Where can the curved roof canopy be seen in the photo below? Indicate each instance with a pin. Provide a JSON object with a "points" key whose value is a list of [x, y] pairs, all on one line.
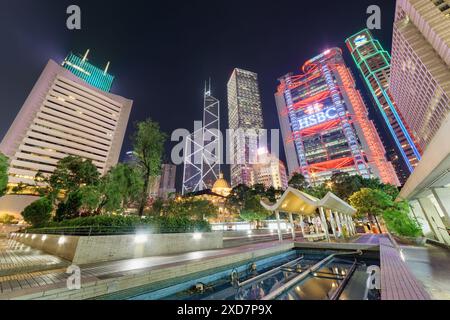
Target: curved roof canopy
{"points": [[297, 202]]}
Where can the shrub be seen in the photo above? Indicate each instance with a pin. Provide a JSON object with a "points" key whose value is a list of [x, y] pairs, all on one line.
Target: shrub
{"points": [[400, 222], [38, 213]]}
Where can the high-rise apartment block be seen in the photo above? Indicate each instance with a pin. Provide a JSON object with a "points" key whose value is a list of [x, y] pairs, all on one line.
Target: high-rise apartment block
{"points": [[245, 118], [269, 171], [420, 71]]}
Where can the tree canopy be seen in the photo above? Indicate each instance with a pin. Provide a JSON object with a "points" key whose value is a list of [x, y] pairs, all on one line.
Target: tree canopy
{"points": [[148, 146], [3, 173]]}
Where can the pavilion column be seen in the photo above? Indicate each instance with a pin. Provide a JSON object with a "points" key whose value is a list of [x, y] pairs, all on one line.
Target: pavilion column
{"points": [[302, 226], [291, 220], [350, 227], [353, 225], [324, 223], [338, 222], [344, 223], [280, 236], [333, 225]]}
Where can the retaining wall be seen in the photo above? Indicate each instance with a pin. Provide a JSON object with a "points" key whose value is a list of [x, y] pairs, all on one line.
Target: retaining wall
{"points": [[84, 249]]}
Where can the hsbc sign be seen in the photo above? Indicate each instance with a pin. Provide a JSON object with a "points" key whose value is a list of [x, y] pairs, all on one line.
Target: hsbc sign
{"points": [[316, 118]]}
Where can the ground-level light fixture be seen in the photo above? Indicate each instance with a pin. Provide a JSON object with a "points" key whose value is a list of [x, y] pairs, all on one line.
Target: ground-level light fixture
{"points": [[61, 240], [33, 237], [44, 237], [140, 238], [198, 236]]}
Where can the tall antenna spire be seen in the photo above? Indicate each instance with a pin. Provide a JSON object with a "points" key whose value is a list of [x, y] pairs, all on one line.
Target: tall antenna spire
{"points": [[86, 55], [106, 69]]}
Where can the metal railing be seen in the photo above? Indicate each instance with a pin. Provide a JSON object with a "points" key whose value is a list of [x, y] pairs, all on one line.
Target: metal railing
{"points": [[108, 230], [279, 291]]}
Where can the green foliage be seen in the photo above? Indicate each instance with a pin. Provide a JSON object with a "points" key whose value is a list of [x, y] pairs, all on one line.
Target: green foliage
{"points": [[161, 224], [399, 221], [298, 182], [3, 173], [70, 174], [8, 219], [39, 212], [186, 208], [148, 147], [253, 210], [70, 208], [318, 191], [371, 201]]}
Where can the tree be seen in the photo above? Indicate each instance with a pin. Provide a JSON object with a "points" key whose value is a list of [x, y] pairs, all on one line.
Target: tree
{"points": [[3, 173], [39, 212], [372, 202], [69, 209], [253, 210], [119, 188], [192, 208], [344, 185], [148, 145], [298, 182], [70, 174], [318, 191]]}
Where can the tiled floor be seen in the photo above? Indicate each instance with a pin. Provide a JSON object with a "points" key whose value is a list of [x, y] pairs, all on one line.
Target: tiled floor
{"points": [[18, 258]]}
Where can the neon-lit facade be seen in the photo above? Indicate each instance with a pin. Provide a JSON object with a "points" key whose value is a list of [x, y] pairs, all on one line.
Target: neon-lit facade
{"points": [[93, 75], [374, 65], [325, 125]]}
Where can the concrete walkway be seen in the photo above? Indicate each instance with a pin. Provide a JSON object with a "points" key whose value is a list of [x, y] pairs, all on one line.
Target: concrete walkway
{"points": [[23, 283], [431, 266]]}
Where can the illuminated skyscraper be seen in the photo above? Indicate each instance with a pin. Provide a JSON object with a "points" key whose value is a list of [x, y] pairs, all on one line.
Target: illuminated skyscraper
{"points": [[202, 156], [269, 171], [64, 116], [93, 75], [374, 65], [325, 125], [245, 117], [420, 75]]}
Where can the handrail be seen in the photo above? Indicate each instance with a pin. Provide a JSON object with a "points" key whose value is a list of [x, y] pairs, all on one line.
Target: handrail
{"points": [[263, 275], [306, 273]]}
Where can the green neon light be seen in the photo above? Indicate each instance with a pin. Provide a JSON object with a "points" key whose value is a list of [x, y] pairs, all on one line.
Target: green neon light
{"points": [[93, 75]]}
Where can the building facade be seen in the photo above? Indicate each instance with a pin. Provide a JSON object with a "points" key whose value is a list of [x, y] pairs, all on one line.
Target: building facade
{"points": [[325, 124], [245, 119], [420, 71], [93, 75], [64, 116], [269, 171], [373, 63]]}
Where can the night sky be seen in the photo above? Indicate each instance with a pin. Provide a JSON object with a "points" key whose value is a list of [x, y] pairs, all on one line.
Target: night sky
{"points": [[161, 52]]}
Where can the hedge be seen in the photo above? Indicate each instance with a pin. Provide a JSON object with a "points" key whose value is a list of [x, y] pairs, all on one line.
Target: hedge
{"points": [[103, 223]]}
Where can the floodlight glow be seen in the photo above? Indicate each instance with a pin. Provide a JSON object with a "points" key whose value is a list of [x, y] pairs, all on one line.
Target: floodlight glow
{"points": [[61, 240], [198, 236], [44, 237], [33, 237], [140, 238]]}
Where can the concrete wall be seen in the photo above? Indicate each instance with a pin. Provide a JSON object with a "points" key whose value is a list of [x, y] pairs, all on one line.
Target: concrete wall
{"points": [[83, 250]]}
